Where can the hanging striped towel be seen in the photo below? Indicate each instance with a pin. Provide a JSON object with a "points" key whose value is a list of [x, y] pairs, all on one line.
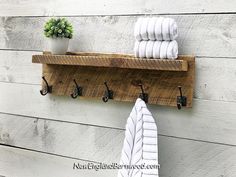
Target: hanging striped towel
{"points": [[140, 144]]}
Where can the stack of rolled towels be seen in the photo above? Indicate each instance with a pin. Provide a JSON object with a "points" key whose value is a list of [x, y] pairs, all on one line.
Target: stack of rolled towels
{"points": [[155, 38]]}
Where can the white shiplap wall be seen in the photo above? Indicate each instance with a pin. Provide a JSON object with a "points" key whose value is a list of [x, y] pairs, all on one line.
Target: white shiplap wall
{"points": [[44, 136]]}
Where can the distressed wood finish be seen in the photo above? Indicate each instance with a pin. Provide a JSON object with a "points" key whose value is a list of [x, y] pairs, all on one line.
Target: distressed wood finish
{"points": [[178, 157], [112, 7], [15, 162], [123, 76], [16, 66], [203, 35], [211, 37], [212, 121], [67, 139], [115, 61], [79, 141]]}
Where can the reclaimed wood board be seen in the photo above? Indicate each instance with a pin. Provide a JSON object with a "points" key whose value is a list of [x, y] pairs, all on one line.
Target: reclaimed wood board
{"points": [[16, 162], [197, 122], [123, 77], [16, 66], [112, 7], [178, 157], [113, 61], [211, 37], [203, 35]]}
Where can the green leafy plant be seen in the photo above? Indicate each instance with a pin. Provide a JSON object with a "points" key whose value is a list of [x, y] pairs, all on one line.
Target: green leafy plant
{"points": [[58, 28]]}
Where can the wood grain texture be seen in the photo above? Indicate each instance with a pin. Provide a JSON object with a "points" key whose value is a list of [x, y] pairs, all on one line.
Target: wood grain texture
{"points": [[90, 71], [208, 120], [73, 140], [215, 79], [200, 35], [206, 36], [16, 162], [161, 86], [177, 158], [112, 7], [16, 67], [115, 61], [194, 159]]}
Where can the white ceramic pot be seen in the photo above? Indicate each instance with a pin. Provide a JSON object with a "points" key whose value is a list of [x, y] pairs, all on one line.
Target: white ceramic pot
{"points": [[59, 46]]}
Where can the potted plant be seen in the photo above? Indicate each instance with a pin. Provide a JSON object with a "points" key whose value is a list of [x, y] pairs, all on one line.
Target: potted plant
{"points": [[59, 31]]}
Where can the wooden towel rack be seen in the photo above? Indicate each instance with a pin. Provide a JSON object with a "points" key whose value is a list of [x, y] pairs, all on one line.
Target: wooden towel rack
{"points": [[123, 73]]}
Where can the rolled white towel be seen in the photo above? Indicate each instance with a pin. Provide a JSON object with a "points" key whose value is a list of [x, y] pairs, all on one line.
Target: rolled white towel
{"points": [[137, 29], [136, 48], [163, 49], [173, 29], [149, 49], [151, 28], [165, 29], [155, 29], [169, 29], [143, 29], [169, 50], [172, 50], [156, 49], [142, 49], [158, 29]]}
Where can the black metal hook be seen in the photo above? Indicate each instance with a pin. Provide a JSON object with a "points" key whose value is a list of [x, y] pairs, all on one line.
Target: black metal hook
{"points": [[77, 91], [143, 95], [108, 94], [181, 100], [46, 89]]}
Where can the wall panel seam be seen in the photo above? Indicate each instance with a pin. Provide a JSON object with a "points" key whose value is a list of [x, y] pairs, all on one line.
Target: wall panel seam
{"points": [[124, 15], [48, 153], [114, 128]]}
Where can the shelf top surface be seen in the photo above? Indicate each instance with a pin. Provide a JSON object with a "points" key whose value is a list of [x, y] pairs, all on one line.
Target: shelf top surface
{"points": [[114, 60]]}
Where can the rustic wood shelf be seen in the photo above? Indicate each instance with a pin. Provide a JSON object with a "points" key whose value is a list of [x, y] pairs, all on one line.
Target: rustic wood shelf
{"points": [[113, 60], [123, 73]]}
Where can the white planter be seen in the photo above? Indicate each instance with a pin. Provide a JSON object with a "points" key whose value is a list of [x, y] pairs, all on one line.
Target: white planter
{"points": [[59, 46]]}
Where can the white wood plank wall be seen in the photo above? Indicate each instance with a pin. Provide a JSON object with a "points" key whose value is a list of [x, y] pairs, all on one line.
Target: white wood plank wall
{"points": [[45, 136]]}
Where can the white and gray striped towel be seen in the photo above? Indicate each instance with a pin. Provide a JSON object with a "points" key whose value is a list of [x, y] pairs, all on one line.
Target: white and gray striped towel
{"points": [[140, 143]]}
